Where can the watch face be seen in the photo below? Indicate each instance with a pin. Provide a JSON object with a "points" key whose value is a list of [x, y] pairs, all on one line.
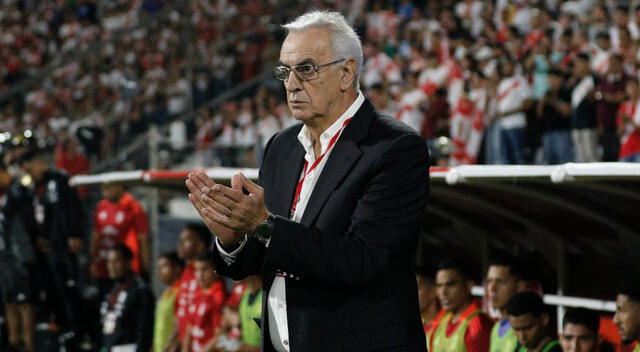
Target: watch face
{"points": [[264, 230]]}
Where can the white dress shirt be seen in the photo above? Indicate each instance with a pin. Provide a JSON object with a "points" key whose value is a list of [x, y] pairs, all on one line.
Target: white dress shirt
{"points": [[277, 299]]}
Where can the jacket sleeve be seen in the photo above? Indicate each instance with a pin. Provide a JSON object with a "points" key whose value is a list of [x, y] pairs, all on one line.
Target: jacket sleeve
{"points": [[384, 224], [249, 260]]}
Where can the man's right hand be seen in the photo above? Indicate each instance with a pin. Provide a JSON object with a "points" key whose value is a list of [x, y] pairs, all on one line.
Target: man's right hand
{"points": [[199, 183]]}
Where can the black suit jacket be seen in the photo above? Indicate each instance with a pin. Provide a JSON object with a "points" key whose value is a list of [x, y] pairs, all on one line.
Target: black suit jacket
{"points": [[354, 248]]}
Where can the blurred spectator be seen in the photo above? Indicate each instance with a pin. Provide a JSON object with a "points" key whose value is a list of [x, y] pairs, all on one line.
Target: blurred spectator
{"points": [[250, 312], [16, 276], [205, 311], [127, 310], [583, 118], [427, 297], [554, 109], [461, 324], [627, 317], [443, 43], [194, 240], [118, 219], [580, 328], [466, 122], [169, 269], [609, 94], [514, 100], [629, 124], [70, 157], [47, 211], [504, 279], [229, 335], [530, 322]]}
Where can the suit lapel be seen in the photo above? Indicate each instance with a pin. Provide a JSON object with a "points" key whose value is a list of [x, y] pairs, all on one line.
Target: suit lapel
{"points": [[287, 175], [344, 155]]}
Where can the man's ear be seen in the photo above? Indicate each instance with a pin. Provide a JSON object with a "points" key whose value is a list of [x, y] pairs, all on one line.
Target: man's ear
{"points": [[545, 319], [521, 285], [349, 69]]}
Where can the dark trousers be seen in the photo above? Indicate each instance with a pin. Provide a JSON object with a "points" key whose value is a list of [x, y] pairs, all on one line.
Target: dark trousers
{"points": [[610, 143]]}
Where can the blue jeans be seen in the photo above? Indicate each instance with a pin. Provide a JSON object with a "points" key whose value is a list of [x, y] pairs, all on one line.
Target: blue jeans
{"points": [[513, 146], [634, 158], [492, 147], [557, 146]]}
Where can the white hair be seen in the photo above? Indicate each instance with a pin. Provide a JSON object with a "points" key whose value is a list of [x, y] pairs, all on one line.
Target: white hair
{"points": [[344, 40]]}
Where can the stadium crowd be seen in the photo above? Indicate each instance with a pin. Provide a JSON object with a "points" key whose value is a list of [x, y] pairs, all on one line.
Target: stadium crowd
{"points": [[482, 81], [504, 82], [118, 66], [493, 82]]}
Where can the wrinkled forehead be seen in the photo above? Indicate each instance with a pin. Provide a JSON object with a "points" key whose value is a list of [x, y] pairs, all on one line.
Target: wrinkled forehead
{"points": [[309, 46]]}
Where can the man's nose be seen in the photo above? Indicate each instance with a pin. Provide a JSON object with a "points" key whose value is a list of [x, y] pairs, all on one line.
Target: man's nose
{"points": [[292, 83]]}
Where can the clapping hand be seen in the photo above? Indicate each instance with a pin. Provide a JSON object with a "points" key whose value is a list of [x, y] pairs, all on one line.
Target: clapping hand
{"points": [[228, 211]]}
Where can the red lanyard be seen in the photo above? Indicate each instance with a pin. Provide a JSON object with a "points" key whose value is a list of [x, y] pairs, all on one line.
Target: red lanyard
{"points": [[306, 172]]}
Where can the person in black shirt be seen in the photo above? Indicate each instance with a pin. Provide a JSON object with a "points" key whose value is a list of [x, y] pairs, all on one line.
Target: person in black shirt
{"points": [[127, 310], [16, 261], [554, 109], [43, 217], [583, 113]]}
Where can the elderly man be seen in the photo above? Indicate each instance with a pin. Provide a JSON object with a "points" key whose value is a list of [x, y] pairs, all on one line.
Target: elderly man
{"points": [[334, 224]]}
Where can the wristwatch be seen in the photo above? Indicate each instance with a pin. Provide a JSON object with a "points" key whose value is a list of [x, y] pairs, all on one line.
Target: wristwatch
{"points": [[263, 231]]}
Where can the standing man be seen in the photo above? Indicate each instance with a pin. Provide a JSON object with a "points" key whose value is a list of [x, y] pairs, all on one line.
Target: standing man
{"points": [[460, 325], [530, 322], [334, 224], [504, 279], [554, 110], [580, 328], [47, 210], [583, 117], [514, 100], [127, 310], [627, 316], [119, 219], [609, 94], [16, 261]]}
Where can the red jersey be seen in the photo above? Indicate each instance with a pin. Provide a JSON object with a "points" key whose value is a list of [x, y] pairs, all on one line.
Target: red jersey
{"points": [[235, 295], [204, 315], [630, 139], [116, 223], [74, 165], [184, 298]]}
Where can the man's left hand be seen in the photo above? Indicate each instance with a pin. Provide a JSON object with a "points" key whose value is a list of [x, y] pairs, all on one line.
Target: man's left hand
{"points": [[242, 212]]}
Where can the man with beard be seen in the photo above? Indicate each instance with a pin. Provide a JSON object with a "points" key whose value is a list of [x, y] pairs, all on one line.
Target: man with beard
{"points": [[627, 316], [460, 325]]}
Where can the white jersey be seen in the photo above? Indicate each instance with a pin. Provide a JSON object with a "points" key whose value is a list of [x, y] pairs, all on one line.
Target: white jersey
{"points": [[512, 93]]}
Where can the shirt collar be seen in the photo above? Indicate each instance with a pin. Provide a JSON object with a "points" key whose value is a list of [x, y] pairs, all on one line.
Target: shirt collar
{"points": [[304, 136]]}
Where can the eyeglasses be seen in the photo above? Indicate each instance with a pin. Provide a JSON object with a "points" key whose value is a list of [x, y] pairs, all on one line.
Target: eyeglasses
{"points": [[303, 72]]}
